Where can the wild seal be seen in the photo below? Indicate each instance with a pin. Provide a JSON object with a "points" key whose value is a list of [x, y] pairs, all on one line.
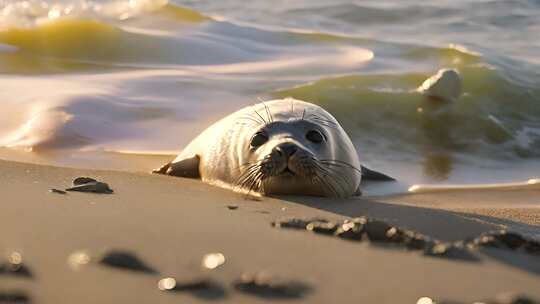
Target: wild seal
{"points": [[283, 146]]}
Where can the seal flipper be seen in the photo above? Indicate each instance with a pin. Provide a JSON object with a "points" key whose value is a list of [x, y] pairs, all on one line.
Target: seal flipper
{"points": [[368, 174], [188, 167]]}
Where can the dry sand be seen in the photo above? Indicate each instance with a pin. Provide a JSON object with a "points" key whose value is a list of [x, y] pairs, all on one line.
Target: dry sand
{"points": [[170, 223]]}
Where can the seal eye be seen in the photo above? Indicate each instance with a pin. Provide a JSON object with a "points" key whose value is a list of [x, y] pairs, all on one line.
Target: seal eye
{"points": [[315, 136], [259, 139]]}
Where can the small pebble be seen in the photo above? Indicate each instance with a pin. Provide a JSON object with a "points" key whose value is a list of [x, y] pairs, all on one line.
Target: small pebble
{"points": [[351, 231], [295, 223], [198, 287], [265, 285], [15, 266], [376, 230], [125, 260], [322, 227], [232, 207], [14, 297], [94, 187]]}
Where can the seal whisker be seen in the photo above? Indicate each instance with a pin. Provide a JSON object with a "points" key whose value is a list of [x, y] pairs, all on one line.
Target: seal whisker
{"points": [[336, 174], [334, 177], [258, 114], [252, 118], [335, 162], [268, 112], [326, 182]]}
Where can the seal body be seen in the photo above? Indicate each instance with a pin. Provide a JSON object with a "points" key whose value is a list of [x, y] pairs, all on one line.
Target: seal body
{"points": [[283, 146]]}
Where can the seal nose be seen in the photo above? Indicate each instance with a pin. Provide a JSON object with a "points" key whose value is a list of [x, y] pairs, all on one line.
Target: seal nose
{"points": [[286, 149]]}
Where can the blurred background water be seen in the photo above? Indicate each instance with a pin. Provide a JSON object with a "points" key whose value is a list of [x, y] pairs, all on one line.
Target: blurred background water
{"points": [[99, 83]]}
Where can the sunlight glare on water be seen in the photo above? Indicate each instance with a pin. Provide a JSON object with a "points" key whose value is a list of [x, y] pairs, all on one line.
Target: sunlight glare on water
{"points": [[149, 75]]}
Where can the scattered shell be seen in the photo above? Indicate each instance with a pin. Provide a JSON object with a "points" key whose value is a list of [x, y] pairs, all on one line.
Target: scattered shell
{"points": [[94, 187], [83, 180], [125, 260], [58, 191], [15, 266], [213, 260], [264, 285]]}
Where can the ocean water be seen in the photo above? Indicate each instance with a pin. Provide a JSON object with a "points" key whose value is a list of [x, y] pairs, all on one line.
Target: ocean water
{"points": [[85, 82]]}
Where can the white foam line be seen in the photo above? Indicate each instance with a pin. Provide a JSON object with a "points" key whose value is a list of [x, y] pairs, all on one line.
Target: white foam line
{"points": [[530, 184]]}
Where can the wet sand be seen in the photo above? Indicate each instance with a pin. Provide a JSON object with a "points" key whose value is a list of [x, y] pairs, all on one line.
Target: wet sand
{"points": [[169, 224]]}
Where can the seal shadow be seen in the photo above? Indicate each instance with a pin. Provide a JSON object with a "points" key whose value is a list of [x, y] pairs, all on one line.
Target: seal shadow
{"points": [[436, 223]]}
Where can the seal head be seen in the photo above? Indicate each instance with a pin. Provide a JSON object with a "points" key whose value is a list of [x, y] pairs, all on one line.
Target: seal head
{"points": [[283, 146]]}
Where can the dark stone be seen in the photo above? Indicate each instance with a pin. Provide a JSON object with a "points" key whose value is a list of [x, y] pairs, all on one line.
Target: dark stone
{"points": [[532, 247], [376, 230], [17, 270], [395, 235], [125, 260], [14, 297], [15, 266], [93, 187], [513, 299], [232, 207], [53, 190], [83, 180], [500, 239], [322, 227], [351, 230], [265, 286], [201, 288], [295, 223], [510, 239], [415, 241]]}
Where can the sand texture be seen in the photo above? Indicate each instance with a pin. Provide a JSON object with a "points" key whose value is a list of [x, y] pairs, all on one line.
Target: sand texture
{"points": [[171, 223]]}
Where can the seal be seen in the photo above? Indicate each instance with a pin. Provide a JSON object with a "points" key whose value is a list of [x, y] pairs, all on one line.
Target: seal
{"points": [[283, 146]]}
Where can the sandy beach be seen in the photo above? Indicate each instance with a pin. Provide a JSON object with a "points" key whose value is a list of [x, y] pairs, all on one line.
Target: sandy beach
{"points": [[171, 223]]}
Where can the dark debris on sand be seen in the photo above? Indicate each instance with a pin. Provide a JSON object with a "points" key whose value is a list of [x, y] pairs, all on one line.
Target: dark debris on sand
{"points": [[14, 297], [88, 184], [263, 285], [503, 239], [57, 191], [500, 299], [203, 288], [125, 260], [14, 265], [380, 233]]}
